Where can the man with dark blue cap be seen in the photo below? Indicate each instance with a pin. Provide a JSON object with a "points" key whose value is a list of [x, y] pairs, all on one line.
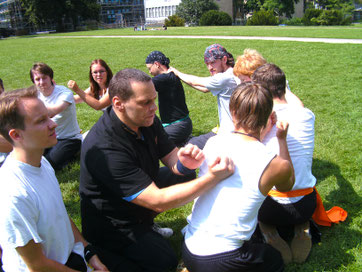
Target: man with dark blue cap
{"points": [[221, 84], [171, 98]]}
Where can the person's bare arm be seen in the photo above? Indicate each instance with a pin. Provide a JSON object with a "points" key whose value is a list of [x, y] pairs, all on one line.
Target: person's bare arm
{"points": [[280, 171], [54, 110], [88, 98], [36, 261], [190, 156], [191, 80], [177, 195]]}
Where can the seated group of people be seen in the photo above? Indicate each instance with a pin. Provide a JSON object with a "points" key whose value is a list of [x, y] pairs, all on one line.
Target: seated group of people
{"points": [[254, 171]]}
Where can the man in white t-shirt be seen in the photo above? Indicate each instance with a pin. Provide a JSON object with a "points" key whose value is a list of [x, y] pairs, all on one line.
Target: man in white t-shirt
{"points": [[60, 103], [295, 208], [5, 146], [221, 84], [36, 233]]}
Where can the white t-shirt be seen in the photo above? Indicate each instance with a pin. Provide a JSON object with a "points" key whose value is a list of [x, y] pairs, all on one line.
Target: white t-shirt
{"points": [[300, 140], [226, 216], [222, 86], [32, 208], [66, 120]]}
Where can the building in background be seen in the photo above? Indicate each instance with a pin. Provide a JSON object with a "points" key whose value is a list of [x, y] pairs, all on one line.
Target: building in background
{"points": [[156, 11], [122, 12], [4, 13]]}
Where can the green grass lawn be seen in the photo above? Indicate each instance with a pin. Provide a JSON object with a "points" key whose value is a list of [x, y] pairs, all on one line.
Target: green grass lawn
{"points": [[343, 32], [327, 77]]}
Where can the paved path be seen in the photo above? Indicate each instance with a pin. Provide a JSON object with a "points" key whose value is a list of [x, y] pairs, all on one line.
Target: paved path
{"points": [[294, 39]]}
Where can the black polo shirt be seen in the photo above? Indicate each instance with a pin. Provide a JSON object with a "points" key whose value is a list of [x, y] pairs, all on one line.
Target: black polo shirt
{"points": [[115, 164], [171, 97]]}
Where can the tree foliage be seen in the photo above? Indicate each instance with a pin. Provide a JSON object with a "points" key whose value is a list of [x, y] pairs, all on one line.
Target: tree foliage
{"points": [[278, 7], [325, 17], [263, 17], [174, 20], [192, 10], [215, 17], [41, 11]]}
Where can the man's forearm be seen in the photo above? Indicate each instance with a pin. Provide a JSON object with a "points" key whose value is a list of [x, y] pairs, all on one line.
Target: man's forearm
{"points": [[193, 81], [183, 193]]}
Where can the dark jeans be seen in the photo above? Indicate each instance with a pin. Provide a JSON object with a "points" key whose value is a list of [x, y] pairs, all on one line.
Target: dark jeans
{"points": [[62, 153], [255, 257], [201, 140], [180, 132]]}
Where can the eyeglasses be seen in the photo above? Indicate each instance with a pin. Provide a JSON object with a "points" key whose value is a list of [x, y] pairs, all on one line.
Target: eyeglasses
{"points": [[98, 72]]}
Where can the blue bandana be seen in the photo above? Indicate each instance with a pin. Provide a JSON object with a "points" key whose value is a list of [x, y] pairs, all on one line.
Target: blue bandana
{"points": [[214, 52], [157, 56]]}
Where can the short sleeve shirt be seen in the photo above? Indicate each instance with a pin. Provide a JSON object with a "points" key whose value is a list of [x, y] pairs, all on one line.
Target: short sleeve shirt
{"points": [[66, 120], [222, 86], [115, 165], [171, 97]]}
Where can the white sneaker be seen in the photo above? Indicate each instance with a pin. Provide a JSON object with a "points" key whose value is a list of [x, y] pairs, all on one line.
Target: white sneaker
{"points": [[165, 232]]}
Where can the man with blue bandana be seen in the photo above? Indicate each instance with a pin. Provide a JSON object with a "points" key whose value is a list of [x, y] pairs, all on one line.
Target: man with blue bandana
{"points": [[171, 98], [221, 84]]}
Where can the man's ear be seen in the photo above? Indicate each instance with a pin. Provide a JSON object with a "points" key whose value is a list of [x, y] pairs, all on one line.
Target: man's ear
{"points": [[15, 134], [224, 59], [117, 103], [157, 64]]}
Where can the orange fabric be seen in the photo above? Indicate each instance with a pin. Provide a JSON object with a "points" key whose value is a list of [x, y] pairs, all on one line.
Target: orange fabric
{"points": [[299, 192], [326, 218], [320, 216]]}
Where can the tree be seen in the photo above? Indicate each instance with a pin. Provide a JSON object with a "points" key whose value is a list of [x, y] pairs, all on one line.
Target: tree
{"points": [[174, 20], [215, 17], [346, 6], [192, 10], [279, 7], [42, 11]]}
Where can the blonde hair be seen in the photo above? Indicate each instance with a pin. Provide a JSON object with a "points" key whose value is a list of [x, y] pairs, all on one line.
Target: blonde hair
{"points": [[248, 62]]}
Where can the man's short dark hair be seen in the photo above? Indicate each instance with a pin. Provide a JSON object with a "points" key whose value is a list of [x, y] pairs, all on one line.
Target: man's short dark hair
{"points": [[42, 68], [272, 78], [120, 84], [250, 106], [10, 116]]}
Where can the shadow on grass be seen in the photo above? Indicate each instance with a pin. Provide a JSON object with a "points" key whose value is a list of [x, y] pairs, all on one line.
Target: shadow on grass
{"points": [[335, 252], [345, 196]]}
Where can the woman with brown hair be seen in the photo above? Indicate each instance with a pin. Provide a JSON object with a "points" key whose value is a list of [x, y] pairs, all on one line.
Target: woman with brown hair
{"points": [[96, 95]]}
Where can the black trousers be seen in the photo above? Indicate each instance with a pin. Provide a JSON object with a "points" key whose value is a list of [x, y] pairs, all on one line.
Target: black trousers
{"points": [[251, 257], [276, 214], [151, 252], [62, 153]]}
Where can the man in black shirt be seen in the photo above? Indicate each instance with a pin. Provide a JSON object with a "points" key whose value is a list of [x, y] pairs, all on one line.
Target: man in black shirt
{"points": [[122, 187], [171, 98]]}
